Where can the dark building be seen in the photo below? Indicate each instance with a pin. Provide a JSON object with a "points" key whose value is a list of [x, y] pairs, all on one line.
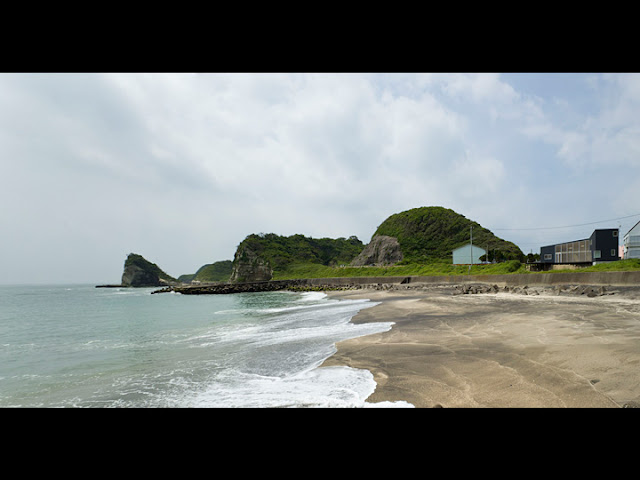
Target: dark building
{"points": [[602, 246]]}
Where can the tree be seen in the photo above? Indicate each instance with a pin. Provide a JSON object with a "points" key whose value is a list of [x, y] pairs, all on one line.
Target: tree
{"points": [[533, 257]]}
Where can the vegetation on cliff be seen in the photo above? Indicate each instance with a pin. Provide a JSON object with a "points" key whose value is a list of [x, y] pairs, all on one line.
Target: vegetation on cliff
{"points": [[215, 272], [272, 255], [211, 272], [430, 234]]}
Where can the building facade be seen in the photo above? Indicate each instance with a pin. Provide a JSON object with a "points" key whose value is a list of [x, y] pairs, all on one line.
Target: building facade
{"points": [[602, 246], [631, 242], [468, 254]]}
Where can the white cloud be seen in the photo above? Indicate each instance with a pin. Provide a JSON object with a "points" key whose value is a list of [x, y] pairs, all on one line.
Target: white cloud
{"points": [[180, 167], [605, 137], [485, 87]]}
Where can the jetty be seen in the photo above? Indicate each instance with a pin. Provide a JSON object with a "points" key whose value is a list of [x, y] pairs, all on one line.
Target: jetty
{"points": [[225, 288], [630, 278]]}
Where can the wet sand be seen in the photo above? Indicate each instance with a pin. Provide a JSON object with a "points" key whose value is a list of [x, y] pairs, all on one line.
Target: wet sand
{"points": [[499, 349]]}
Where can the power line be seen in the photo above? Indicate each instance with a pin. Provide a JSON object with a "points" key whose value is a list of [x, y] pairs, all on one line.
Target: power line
{"points": [[569, 226]]}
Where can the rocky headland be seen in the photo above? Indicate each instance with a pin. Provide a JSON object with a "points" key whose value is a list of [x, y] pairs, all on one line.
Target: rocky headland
{"points": [[250, 266]]}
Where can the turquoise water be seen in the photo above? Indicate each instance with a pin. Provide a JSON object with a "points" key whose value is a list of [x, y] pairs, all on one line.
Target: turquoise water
{"points": [[80, 346]]}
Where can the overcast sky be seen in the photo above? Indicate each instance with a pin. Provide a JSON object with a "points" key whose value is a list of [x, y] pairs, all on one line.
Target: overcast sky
{"points": [[181, 167]]}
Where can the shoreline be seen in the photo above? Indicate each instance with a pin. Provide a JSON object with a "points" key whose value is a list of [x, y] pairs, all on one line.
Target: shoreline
{"points": [[498, 350]]}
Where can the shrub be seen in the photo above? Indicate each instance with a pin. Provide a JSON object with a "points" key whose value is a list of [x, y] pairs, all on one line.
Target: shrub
{"points": [[512, 266]]}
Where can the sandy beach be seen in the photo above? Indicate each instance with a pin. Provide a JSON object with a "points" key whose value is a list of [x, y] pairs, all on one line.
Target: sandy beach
{"points": [[499, 350]]}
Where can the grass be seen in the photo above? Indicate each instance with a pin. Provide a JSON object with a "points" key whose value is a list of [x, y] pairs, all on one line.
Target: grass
{"points": [[629, 265], [436, 269], [310, 270]]}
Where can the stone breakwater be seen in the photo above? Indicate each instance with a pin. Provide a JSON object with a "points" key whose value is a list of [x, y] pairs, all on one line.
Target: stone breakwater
{"points": [[306, 285], [302, 285], [298, 285], [588, 284]]}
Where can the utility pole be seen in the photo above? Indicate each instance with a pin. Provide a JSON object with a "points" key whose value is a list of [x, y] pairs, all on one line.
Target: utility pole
{"points": [[623, 252], [471, 253]]}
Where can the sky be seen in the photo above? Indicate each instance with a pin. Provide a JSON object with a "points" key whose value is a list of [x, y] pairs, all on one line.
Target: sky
{"points": [[181, 167]]}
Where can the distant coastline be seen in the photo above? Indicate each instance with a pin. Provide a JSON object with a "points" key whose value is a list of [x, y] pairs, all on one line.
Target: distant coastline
{"points": [[420, 242]]}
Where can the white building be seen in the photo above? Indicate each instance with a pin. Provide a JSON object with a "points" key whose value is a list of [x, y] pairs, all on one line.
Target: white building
{"points": [[462, 255], [631, 242]]}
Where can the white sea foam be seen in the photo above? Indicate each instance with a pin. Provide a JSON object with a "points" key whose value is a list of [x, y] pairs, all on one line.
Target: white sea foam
{"points": [[314, 306], [234, 311], [326, 387], [273, 362], [312, 296]]}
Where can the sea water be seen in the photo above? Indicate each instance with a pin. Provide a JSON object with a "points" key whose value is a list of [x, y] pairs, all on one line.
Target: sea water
{"points": [[80, 346]]}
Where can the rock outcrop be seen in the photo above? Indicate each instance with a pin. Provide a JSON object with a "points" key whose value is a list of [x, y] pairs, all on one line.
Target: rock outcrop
{"points": [[382, 250], [248, 266], [139, 272]]}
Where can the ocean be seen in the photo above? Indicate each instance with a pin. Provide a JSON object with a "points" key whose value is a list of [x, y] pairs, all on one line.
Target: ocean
{"points": [[81, 346]]}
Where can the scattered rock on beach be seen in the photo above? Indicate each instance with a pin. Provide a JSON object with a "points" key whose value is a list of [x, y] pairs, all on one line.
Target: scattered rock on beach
{"points": [[467, 289], [588, 290]]}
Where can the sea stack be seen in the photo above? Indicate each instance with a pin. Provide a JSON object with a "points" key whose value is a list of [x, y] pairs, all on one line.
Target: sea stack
{"points": [[139, 272]]}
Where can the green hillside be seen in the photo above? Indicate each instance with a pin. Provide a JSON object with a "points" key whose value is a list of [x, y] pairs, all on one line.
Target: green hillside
{"points": [[276, 254], [428, 234], [214, 272], [211, 272]]}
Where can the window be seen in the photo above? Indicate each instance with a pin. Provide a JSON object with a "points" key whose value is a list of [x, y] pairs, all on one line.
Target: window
{"points": [[615, 233], [596, 254], [613, 252], [547, 256]]}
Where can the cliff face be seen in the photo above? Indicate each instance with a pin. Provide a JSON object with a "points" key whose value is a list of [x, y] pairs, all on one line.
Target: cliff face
{"points": [[248, 266], [139, 272], [134, 276], [382, 250]]}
